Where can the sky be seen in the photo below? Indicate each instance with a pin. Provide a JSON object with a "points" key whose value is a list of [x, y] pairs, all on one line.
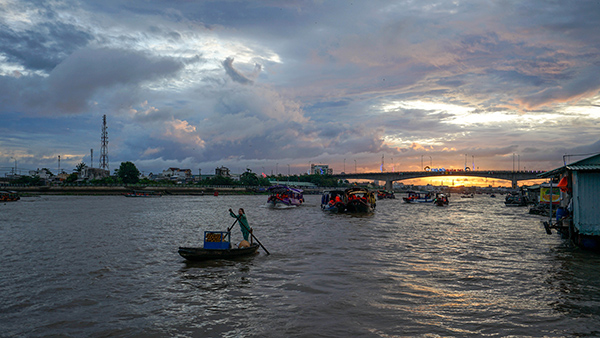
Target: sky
{"points": [[275, 86]]}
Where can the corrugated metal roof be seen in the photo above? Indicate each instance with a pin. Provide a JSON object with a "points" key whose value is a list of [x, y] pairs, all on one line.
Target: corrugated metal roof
{"points": [[587, 167], [552, 173], [590, 163]]}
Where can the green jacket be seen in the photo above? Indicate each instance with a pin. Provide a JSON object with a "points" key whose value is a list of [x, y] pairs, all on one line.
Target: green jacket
{"points": [[244, 226]]}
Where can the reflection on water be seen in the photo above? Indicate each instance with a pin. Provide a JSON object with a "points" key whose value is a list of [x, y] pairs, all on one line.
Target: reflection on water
{"points": [[108, 266]]}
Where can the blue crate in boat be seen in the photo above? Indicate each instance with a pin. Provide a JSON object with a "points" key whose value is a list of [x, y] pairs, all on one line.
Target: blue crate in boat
{"points": [[216, 239]]}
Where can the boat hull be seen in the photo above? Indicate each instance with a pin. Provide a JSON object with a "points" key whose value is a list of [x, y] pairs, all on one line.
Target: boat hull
{"points": [[286, 202], [417, 200], [337, 207], [359, 207], [201, 254]]}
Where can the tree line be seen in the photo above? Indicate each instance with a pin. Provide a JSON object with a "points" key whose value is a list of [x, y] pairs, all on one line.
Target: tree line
{"points": [[128, 173]]}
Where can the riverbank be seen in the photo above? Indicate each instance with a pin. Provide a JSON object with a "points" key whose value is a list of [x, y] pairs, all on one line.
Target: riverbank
{"points": [[121, 190]]}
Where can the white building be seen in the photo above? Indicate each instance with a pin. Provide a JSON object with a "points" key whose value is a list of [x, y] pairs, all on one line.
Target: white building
{"points": [[320, 169], [223, 171], [93, 173], [43, 173], [177, 174]]}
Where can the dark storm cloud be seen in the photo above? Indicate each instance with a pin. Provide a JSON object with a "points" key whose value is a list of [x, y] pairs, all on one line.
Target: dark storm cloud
{"points": [[45, 42], [75, 81], [236, 75], [72, 85], [43, 46]]}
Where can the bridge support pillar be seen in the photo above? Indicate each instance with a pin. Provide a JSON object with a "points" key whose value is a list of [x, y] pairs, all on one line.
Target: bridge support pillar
{"points": [[388, 185], [515, 184]]}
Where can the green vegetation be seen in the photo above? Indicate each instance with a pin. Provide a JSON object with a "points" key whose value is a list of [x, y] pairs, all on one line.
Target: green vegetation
{"points": [[30, 180], [128, 173]]}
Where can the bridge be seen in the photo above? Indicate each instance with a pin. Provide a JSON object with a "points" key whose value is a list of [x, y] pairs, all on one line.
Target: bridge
{"points": [[389, 177]]}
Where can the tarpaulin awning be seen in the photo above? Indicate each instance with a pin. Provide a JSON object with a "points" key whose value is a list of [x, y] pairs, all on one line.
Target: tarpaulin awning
{"points": [[563, 184]]}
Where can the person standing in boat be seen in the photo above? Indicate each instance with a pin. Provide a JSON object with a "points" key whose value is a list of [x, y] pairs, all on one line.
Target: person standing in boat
{"points": [[241, 217]]}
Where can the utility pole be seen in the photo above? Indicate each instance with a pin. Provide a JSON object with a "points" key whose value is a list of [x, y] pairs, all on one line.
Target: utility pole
{"points": [[513, 162], [91, 158]]}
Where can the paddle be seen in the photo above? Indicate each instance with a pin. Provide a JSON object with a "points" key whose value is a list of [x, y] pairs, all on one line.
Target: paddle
{"points": [[231, 227], [251, 234]]}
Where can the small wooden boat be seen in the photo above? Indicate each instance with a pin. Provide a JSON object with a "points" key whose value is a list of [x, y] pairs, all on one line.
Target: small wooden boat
{"points": [[217, 245], [202, 254]]}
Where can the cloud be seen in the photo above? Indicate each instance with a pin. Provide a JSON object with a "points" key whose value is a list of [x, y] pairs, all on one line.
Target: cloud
{"points": [[236, 75], [312, 81], [72, 85], [584, 85], [44, 43]]}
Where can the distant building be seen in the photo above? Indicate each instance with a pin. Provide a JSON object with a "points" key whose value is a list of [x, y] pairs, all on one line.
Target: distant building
{"points": [[223, 171], [61, 177], [93, 174], [176, 174], [43, 173], [320, 169]]}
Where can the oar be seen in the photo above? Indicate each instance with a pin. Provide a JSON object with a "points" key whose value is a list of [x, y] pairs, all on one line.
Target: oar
{"points": [[251, 234], [231, 227]]}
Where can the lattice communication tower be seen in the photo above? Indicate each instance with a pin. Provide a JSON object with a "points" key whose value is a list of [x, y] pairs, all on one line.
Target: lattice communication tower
{"points": [[104, 147]]}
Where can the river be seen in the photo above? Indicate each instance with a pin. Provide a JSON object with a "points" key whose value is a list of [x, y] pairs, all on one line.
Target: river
{"points": [[107, 266]]}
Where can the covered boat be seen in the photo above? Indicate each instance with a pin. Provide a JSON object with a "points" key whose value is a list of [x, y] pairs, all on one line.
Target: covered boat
{"points": [[142, 193], [441, 199], [284, 195], [217, 245], [334, 201], [360, 200], [419, 197], [9, 196], [384, 194], [515, 200]]}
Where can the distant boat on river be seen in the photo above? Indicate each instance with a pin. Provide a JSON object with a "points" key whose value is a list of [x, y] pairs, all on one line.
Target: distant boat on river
{"points": [[284, 195], [352, 200], [419, 197], [9, 196], [142, 193]]}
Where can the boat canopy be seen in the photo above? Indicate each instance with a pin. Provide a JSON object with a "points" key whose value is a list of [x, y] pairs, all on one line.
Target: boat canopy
{"points": [[280, 189], [353, 191]]}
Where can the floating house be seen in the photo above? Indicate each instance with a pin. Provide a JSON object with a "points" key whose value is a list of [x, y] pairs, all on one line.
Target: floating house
{"points": [[578, 213]]}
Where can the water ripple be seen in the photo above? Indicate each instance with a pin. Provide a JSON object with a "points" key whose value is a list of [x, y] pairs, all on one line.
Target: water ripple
{"points": [[108, 266]]}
